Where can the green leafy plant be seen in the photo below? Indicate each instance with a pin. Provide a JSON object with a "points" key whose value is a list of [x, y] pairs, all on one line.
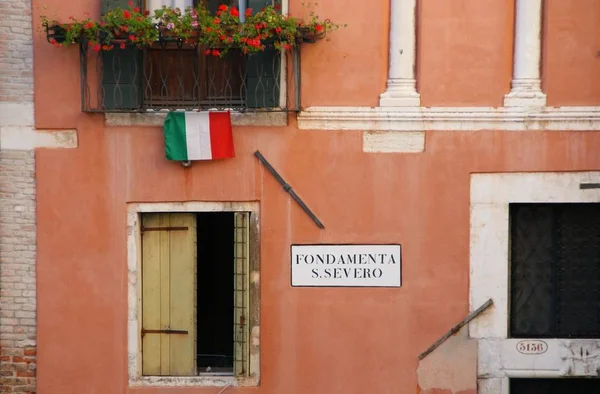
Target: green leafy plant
{"points": [[262, 29], [315, 28], [172, 22], [268, 27], [128, 26], [67, 34]]}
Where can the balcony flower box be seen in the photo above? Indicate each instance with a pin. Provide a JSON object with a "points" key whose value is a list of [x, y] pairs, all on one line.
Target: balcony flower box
{"points": [[193, 26]]}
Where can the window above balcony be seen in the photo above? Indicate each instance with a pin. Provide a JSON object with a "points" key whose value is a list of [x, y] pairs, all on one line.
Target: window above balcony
{"points": [[171, 75]]}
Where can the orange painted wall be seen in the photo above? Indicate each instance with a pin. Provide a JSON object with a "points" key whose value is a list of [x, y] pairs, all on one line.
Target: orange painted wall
{"points": [[572, 52], [313, 340], [465, 52]]}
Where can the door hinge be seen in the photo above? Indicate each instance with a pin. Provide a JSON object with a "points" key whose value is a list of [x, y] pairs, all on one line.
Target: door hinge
{"points": [[180, 332], [164, 228]]}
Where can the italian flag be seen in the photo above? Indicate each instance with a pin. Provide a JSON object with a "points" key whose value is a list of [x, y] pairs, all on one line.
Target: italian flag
{"points": [[198, 136]]}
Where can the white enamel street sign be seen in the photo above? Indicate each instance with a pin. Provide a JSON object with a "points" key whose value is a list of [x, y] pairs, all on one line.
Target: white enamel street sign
{"points": [[346, 265]]}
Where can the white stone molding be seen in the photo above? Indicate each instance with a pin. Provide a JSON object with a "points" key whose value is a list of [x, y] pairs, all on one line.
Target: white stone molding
{"points": [[18, 133], [401, 88], [499, 358], [526, 84], [157, 118], [450, 118], [393, 141]]}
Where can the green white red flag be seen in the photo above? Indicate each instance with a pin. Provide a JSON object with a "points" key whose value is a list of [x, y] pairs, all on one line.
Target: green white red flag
{"points": [[198, 136]]}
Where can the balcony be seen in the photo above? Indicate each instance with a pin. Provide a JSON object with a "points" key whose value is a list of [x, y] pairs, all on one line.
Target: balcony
{"points": [[174, 75]]}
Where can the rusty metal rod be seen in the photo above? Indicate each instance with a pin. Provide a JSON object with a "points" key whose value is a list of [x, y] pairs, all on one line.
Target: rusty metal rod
{"points": [[456, 328], [288, 188]]}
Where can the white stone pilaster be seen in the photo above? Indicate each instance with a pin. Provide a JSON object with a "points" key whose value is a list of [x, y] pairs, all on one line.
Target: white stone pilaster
{"points": [[401, 84], [526, 84]]}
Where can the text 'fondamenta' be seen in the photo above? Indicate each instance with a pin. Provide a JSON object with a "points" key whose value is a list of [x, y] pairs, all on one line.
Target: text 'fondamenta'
{"points": [[346, 265]]}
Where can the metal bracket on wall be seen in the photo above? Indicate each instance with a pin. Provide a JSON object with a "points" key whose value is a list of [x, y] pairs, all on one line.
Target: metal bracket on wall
{"points": [[288, 188], [584, 186], [456, 328]]}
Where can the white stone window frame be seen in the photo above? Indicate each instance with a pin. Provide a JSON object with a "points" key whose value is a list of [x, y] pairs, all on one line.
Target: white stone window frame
{"points": [[498, 359], [134, 296]]}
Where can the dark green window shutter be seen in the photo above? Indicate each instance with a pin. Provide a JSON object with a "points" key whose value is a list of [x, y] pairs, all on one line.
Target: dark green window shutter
{"points": [[121, 71], [263, 71]]}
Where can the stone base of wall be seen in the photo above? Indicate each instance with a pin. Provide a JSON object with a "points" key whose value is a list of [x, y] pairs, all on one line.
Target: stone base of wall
{"points": [[17, 272]]}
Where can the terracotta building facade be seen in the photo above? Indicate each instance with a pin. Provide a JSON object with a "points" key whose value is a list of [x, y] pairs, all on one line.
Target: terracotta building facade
{"points": [[464, 131]]}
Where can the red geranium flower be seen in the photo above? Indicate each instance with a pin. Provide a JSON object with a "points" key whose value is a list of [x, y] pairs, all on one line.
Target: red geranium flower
{"points": [[88, 25], [105, 47], [222, 7], [278, 30], [136, 9], [215, 52], [124, 28], [127, 14], [130, 3], [287, 46], [131, 37], [216, 21], [146, 12], [248, 11], [122, 46], [207, 52], [318, 28], [234, 11], [277, 7], [96, 47], [208, 29]]}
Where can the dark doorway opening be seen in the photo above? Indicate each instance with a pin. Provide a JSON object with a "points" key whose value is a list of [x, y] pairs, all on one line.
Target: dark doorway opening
{"points": [[215, 294], [555, 386]]}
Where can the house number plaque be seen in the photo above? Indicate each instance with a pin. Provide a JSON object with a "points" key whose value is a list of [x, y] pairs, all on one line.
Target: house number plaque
{"points": [[532, 347]]}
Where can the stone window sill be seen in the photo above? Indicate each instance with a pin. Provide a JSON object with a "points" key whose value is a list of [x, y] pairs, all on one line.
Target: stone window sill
{"points": [[272, 119], [192, 381]]}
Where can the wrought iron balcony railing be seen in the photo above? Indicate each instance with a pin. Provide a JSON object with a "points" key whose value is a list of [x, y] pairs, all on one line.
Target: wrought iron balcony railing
{"points": [[173, 75]]}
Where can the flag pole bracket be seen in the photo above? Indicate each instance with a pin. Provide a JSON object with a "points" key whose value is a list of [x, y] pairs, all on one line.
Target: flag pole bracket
{"points": [[288, 189]]}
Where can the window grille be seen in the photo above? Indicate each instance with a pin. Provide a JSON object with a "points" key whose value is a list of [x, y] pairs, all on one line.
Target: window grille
{"points": [[241, 299], [555, 270]]}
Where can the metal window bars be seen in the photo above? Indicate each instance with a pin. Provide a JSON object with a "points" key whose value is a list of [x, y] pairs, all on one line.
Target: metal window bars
{"points": [[555, 270], [241, 293], [174, 75]]}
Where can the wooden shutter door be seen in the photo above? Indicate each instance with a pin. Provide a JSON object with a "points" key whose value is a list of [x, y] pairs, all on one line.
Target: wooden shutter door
{"points": [[121, 71], [168, 294]]}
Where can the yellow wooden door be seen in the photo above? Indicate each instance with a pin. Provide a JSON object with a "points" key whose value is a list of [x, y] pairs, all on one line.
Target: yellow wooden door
{"points": [[168, 294]]}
